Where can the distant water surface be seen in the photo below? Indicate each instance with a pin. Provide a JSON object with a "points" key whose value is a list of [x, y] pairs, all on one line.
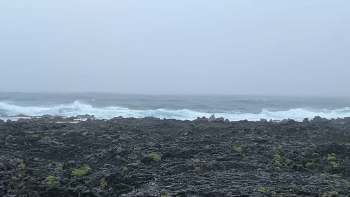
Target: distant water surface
{"points": [[104, 106]]}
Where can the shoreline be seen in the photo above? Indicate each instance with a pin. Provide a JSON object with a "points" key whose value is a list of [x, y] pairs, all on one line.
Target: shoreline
{"points": [[80, 118]]}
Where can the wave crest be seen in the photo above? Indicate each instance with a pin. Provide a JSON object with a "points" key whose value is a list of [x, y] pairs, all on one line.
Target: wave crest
{"points": [[79, 108]]}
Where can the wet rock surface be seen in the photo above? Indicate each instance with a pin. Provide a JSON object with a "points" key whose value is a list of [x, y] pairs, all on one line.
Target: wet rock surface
{"points": [[151, 157]]}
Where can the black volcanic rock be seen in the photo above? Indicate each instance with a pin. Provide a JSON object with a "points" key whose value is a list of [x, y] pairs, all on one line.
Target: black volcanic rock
{"points": [[152, 157], [211, 118]]}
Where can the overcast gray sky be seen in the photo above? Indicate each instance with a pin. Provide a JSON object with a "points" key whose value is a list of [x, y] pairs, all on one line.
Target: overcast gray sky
{"points": [[176, 47]]}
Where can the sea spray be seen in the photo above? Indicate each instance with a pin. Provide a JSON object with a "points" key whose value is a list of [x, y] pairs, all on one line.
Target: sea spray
{"points": [[80, 108]]}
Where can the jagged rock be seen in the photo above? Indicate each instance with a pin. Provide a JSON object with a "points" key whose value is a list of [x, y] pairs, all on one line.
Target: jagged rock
{"points": [[212, 118], [318, 119], [201, 119], [86, 116]]}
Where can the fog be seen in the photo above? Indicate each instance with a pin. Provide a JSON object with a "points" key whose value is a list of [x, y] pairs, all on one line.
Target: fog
{"points": [[256, 47]]}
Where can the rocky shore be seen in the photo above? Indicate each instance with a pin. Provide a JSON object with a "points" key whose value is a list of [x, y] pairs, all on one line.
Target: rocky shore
{"points": [[170, 158]]}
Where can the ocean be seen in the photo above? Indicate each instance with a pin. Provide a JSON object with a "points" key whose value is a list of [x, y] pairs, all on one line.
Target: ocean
{"points": [[182, 107]]}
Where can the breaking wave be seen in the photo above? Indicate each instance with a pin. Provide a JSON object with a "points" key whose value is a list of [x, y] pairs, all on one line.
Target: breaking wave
{"points": [[78, 108]]}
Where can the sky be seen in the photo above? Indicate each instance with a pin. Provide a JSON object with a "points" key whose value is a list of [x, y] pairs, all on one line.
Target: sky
{"points": [[275, 47]]}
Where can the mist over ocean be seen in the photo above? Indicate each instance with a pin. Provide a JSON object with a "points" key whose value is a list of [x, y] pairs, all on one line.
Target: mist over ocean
{"points": [[105, 106]]}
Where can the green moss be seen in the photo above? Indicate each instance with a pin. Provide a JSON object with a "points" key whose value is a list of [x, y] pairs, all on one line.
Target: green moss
{"points": [[278, 163], [14, 178], [347, 144], [288, 161], [277, 157], [163, 195], [273, 193], [78, 173], [137, 148], [239, 149], [331, 157], [278, 160], [197, 169], [9, 137], [35, 136], [103, 184], [46, 138], [309, 164], [262, 189], [196, 160], [22, 166], [154, 156], [36, 159], [336, 176], [135, 164], [334, 164], [50, 179]]}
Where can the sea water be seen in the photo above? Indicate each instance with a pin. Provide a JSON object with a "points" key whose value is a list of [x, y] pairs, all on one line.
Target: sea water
{"points": [[182, 107]]}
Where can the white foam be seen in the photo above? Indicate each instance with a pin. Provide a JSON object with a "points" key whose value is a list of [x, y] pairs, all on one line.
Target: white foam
{"points": [[78, 108]]}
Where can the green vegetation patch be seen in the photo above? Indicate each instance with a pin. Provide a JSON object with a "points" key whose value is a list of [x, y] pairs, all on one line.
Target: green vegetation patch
{"points": [[14, 178], [50, 179], [278, 160], [336, 176], [78, 173], [262, 189], [288, 161], [309, 164], [239, 149], [22, 166], [334, 164], [154, 156], [135, 164], [103, 184], [9, 137], [331, 157], [46, 138], [137, 148], [196, 160]]}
